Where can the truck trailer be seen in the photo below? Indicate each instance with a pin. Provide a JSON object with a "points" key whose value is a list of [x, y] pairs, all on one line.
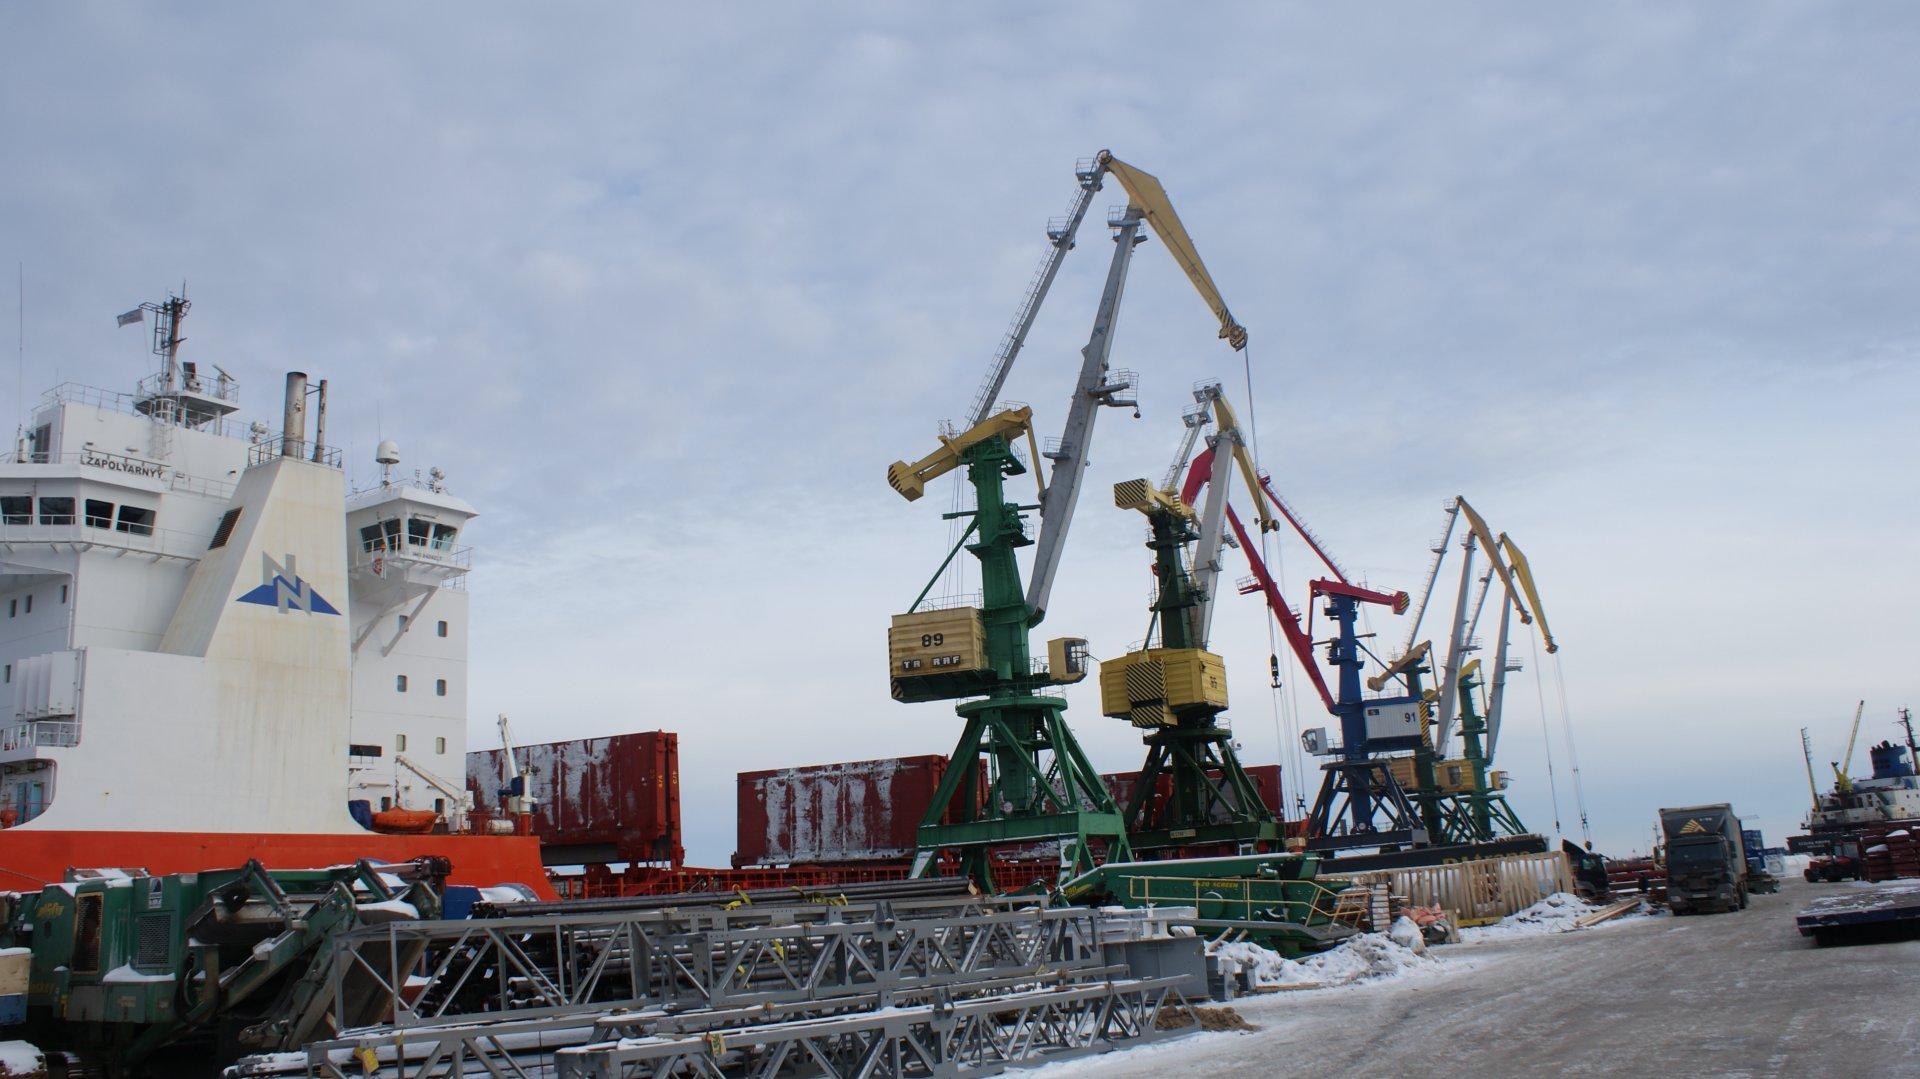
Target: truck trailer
{"points": [[1706, 859]]}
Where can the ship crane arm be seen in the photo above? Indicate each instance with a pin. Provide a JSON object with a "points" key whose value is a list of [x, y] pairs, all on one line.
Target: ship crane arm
{"points": [[459, 798], [1841, 780]]}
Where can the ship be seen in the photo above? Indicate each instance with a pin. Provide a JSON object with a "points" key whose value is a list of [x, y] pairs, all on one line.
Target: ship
{"points": [[1891, 794], [217, 653]]}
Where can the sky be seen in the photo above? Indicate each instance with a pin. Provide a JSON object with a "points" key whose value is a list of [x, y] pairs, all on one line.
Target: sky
{"points": [[664, 288]]}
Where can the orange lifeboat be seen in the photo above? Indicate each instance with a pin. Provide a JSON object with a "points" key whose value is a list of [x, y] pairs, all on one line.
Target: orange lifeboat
{"points": [[399, 821]]}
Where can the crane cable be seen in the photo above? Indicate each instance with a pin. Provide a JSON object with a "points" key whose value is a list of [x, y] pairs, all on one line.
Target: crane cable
{"points": [[1546, 734], [1573, 754], [1288, 751]]}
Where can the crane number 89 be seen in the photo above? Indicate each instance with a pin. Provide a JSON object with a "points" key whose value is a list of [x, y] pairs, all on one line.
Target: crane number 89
{"points": [[932, 640]]}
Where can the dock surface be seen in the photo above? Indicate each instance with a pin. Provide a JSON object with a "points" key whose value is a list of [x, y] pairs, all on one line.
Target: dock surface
{"points": [[1707, 995]]}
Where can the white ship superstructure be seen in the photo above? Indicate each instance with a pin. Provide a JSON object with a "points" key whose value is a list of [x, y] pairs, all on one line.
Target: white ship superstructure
{"points": [[200, 630]]}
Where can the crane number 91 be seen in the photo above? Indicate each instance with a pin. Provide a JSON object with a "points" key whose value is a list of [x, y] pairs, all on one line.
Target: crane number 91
{"points": [[932, 640]]}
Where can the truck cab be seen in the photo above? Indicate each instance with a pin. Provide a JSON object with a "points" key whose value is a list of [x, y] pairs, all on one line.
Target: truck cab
{"points": [[1706, 859]]}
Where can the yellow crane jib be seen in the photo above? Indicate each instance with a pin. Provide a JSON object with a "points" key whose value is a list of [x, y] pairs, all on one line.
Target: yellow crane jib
{"points": [[1414, 657], [911, 479], [1145, 194], [1145, 497], [1525, 572], [1229, 426], [1490, 545]]}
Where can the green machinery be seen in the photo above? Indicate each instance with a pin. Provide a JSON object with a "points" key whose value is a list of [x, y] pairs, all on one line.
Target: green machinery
{"points": [[1274, 900], [1192, 791], [1462, 800], [125, 967], [1038, 783], [1018, 776]]}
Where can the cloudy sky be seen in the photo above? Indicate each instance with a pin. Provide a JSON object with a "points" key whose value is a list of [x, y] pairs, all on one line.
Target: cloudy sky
{"points": [[665, 288]]}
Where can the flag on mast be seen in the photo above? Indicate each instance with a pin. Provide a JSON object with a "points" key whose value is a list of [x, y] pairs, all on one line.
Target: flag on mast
{"points": [[131, 317]]}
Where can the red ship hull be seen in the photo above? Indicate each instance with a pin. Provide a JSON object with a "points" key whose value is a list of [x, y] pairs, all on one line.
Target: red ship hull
{"points": [[30, 858]]}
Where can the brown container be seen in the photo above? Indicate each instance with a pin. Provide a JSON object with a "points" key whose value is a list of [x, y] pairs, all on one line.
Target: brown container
{"points": [[1266, 779], [612, 799], [856, 811]]}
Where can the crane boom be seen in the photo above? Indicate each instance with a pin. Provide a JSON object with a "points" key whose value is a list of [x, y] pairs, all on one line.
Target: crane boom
{"points": [[1060, 239], [910, 480], [1206, 558], [1195, 419], [459, 798], [1433, 576], [1524, 573], [1095, 389], [1842, 779], [1145, 193]]}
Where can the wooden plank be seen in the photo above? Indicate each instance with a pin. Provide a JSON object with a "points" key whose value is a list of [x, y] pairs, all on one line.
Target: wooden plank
{"points": [[1608, 913]]}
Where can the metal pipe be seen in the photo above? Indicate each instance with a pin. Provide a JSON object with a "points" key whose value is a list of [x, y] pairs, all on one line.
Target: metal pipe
{"points": [[320, 423], [293, 425]]}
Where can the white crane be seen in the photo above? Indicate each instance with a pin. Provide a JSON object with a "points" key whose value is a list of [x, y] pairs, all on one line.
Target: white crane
{"points": [[459, 799]]}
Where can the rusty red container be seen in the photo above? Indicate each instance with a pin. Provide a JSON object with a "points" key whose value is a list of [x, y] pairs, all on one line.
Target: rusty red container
{"points": [[855, 811], [1266, 780], [611, 799]]}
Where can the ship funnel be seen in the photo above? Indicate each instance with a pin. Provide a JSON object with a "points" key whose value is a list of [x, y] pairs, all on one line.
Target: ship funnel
{"points": [[293, 430]]}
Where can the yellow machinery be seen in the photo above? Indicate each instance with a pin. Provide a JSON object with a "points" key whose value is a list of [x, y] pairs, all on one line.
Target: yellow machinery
{"points": [[1153, 687]]}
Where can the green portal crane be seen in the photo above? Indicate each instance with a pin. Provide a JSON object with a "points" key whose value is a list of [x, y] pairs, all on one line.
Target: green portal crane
{"points": [[1192, 791], [1462, 799], [1017, 775]]}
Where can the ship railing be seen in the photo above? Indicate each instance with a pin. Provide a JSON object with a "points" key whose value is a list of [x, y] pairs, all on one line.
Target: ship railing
{"points": [[69, 531], [267, 449], [40, 732], [76, 393], [385, 557], [220, 387]]}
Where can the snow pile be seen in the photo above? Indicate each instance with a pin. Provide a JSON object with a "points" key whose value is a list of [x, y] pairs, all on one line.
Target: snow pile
{"points": [[1367, 956], [1557, 913], [1407, 935], [21, 1058]]}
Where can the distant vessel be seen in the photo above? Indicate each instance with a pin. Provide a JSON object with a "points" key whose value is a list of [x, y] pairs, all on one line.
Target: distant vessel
{"points": [[1891, 793], [215, 653]]}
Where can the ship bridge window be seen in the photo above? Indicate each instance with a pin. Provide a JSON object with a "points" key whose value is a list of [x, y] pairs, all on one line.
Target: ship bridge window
{"points": [[443, 537], [380, 536], [56, 511], [99, 513], [42, 444], [16, 509], [417, 531], [135, 519]]}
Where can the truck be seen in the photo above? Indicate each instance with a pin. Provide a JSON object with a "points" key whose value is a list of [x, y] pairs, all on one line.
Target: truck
{"points": [[1706, 859]]}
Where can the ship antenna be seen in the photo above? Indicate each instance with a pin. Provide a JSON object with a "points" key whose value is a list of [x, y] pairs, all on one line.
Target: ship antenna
{"points": [[20, 372]]}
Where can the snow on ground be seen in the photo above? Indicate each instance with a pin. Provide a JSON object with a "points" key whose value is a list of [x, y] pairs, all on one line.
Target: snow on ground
{"points": [[1556, 913], [1367, 956], [20, 1058], [1360, 964]]}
